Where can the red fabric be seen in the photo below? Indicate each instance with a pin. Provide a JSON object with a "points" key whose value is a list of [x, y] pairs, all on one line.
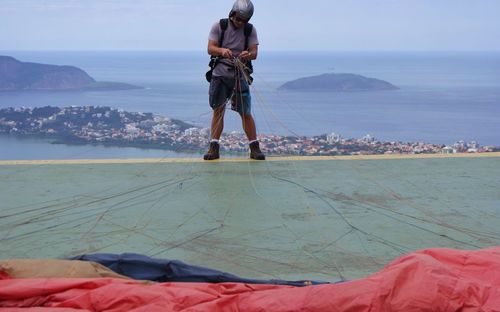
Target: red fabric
{"points": [[429, 280], [4, 275]]}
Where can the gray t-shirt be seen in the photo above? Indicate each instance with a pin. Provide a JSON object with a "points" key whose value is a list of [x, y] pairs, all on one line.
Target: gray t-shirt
{"points": [[234, 39]]}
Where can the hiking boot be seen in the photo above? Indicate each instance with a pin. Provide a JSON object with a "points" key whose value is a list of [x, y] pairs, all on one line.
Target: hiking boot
{"points": [[255, 152], [213, 151]]}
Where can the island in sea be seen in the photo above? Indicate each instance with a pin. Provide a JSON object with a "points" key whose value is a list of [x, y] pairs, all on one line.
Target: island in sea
{"points": [[25, 76], [113, 127], [338, 83]]}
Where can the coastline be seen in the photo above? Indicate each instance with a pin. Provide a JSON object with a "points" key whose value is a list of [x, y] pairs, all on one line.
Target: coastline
{"points": [[106, 126]]}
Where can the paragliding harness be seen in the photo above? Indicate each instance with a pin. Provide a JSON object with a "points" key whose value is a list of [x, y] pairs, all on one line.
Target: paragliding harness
{"points": [[214, 60]]}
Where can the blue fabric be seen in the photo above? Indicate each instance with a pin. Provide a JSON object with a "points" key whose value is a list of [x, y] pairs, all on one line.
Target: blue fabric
{"points": [[163, 270]]}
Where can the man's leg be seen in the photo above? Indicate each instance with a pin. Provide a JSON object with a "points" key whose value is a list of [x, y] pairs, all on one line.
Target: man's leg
{"points": [[215, 133], [244, 107], [249, 127], [218, 96], [217, 122]]}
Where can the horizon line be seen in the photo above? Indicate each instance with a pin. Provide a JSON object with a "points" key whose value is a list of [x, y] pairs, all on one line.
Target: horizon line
{"points": [[260, 51]]}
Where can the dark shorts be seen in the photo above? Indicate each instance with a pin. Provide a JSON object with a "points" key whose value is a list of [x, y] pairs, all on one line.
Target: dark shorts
{"points": [[221, 89]]}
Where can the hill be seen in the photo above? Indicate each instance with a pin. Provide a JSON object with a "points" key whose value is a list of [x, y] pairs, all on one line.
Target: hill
{"points": [[338, 83], [23, 76]]}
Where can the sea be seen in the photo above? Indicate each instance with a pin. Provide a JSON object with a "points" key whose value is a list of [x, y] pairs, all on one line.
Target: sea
{"points": [[443, 97]]}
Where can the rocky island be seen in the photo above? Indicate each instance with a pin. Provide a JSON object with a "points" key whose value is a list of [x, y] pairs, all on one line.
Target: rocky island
{"points": [[25, 76], [338, 83]]}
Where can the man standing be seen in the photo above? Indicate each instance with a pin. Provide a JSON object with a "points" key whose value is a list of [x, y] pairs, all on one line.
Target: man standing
{"points": [[234, 44]]}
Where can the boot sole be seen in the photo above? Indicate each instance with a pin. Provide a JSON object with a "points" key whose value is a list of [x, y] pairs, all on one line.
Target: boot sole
{"points": [[258, 158], [210, 158]]}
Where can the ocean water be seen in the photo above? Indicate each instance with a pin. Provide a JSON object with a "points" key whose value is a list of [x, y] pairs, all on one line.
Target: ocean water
{"points": [[443, 97]]}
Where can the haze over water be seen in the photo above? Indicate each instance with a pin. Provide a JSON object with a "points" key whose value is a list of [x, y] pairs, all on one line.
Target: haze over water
{"points": [[443, 97]]}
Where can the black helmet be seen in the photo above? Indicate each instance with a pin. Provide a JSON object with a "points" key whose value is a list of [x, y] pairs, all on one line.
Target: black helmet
{"points": [[243, 9]]}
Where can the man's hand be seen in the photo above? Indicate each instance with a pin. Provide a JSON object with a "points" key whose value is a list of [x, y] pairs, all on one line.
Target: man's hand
{"points": [[226, 53], [245, 56]]}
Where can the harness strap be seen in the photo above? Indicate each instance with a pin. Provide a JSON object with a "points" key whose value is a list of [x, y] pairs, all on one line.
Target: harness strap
{"points": [[248, 32]]}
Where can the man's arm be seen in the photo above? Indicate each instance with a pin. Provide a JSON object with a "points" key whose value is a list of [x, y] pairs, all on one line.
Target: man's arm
{"points": [[214, 50]]}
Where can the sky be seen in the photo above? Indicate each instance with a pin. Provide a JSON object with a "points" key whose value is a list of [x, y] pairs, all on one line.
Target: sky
{"points": [[283, 25]]}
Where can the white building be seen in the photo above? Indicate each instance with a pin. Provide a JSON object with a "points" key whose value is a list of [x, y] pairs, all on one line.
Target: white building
{"points": [[367, 139], [192, 131], [333, 138], [131, 129], [448, 150], [473, 145]]}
